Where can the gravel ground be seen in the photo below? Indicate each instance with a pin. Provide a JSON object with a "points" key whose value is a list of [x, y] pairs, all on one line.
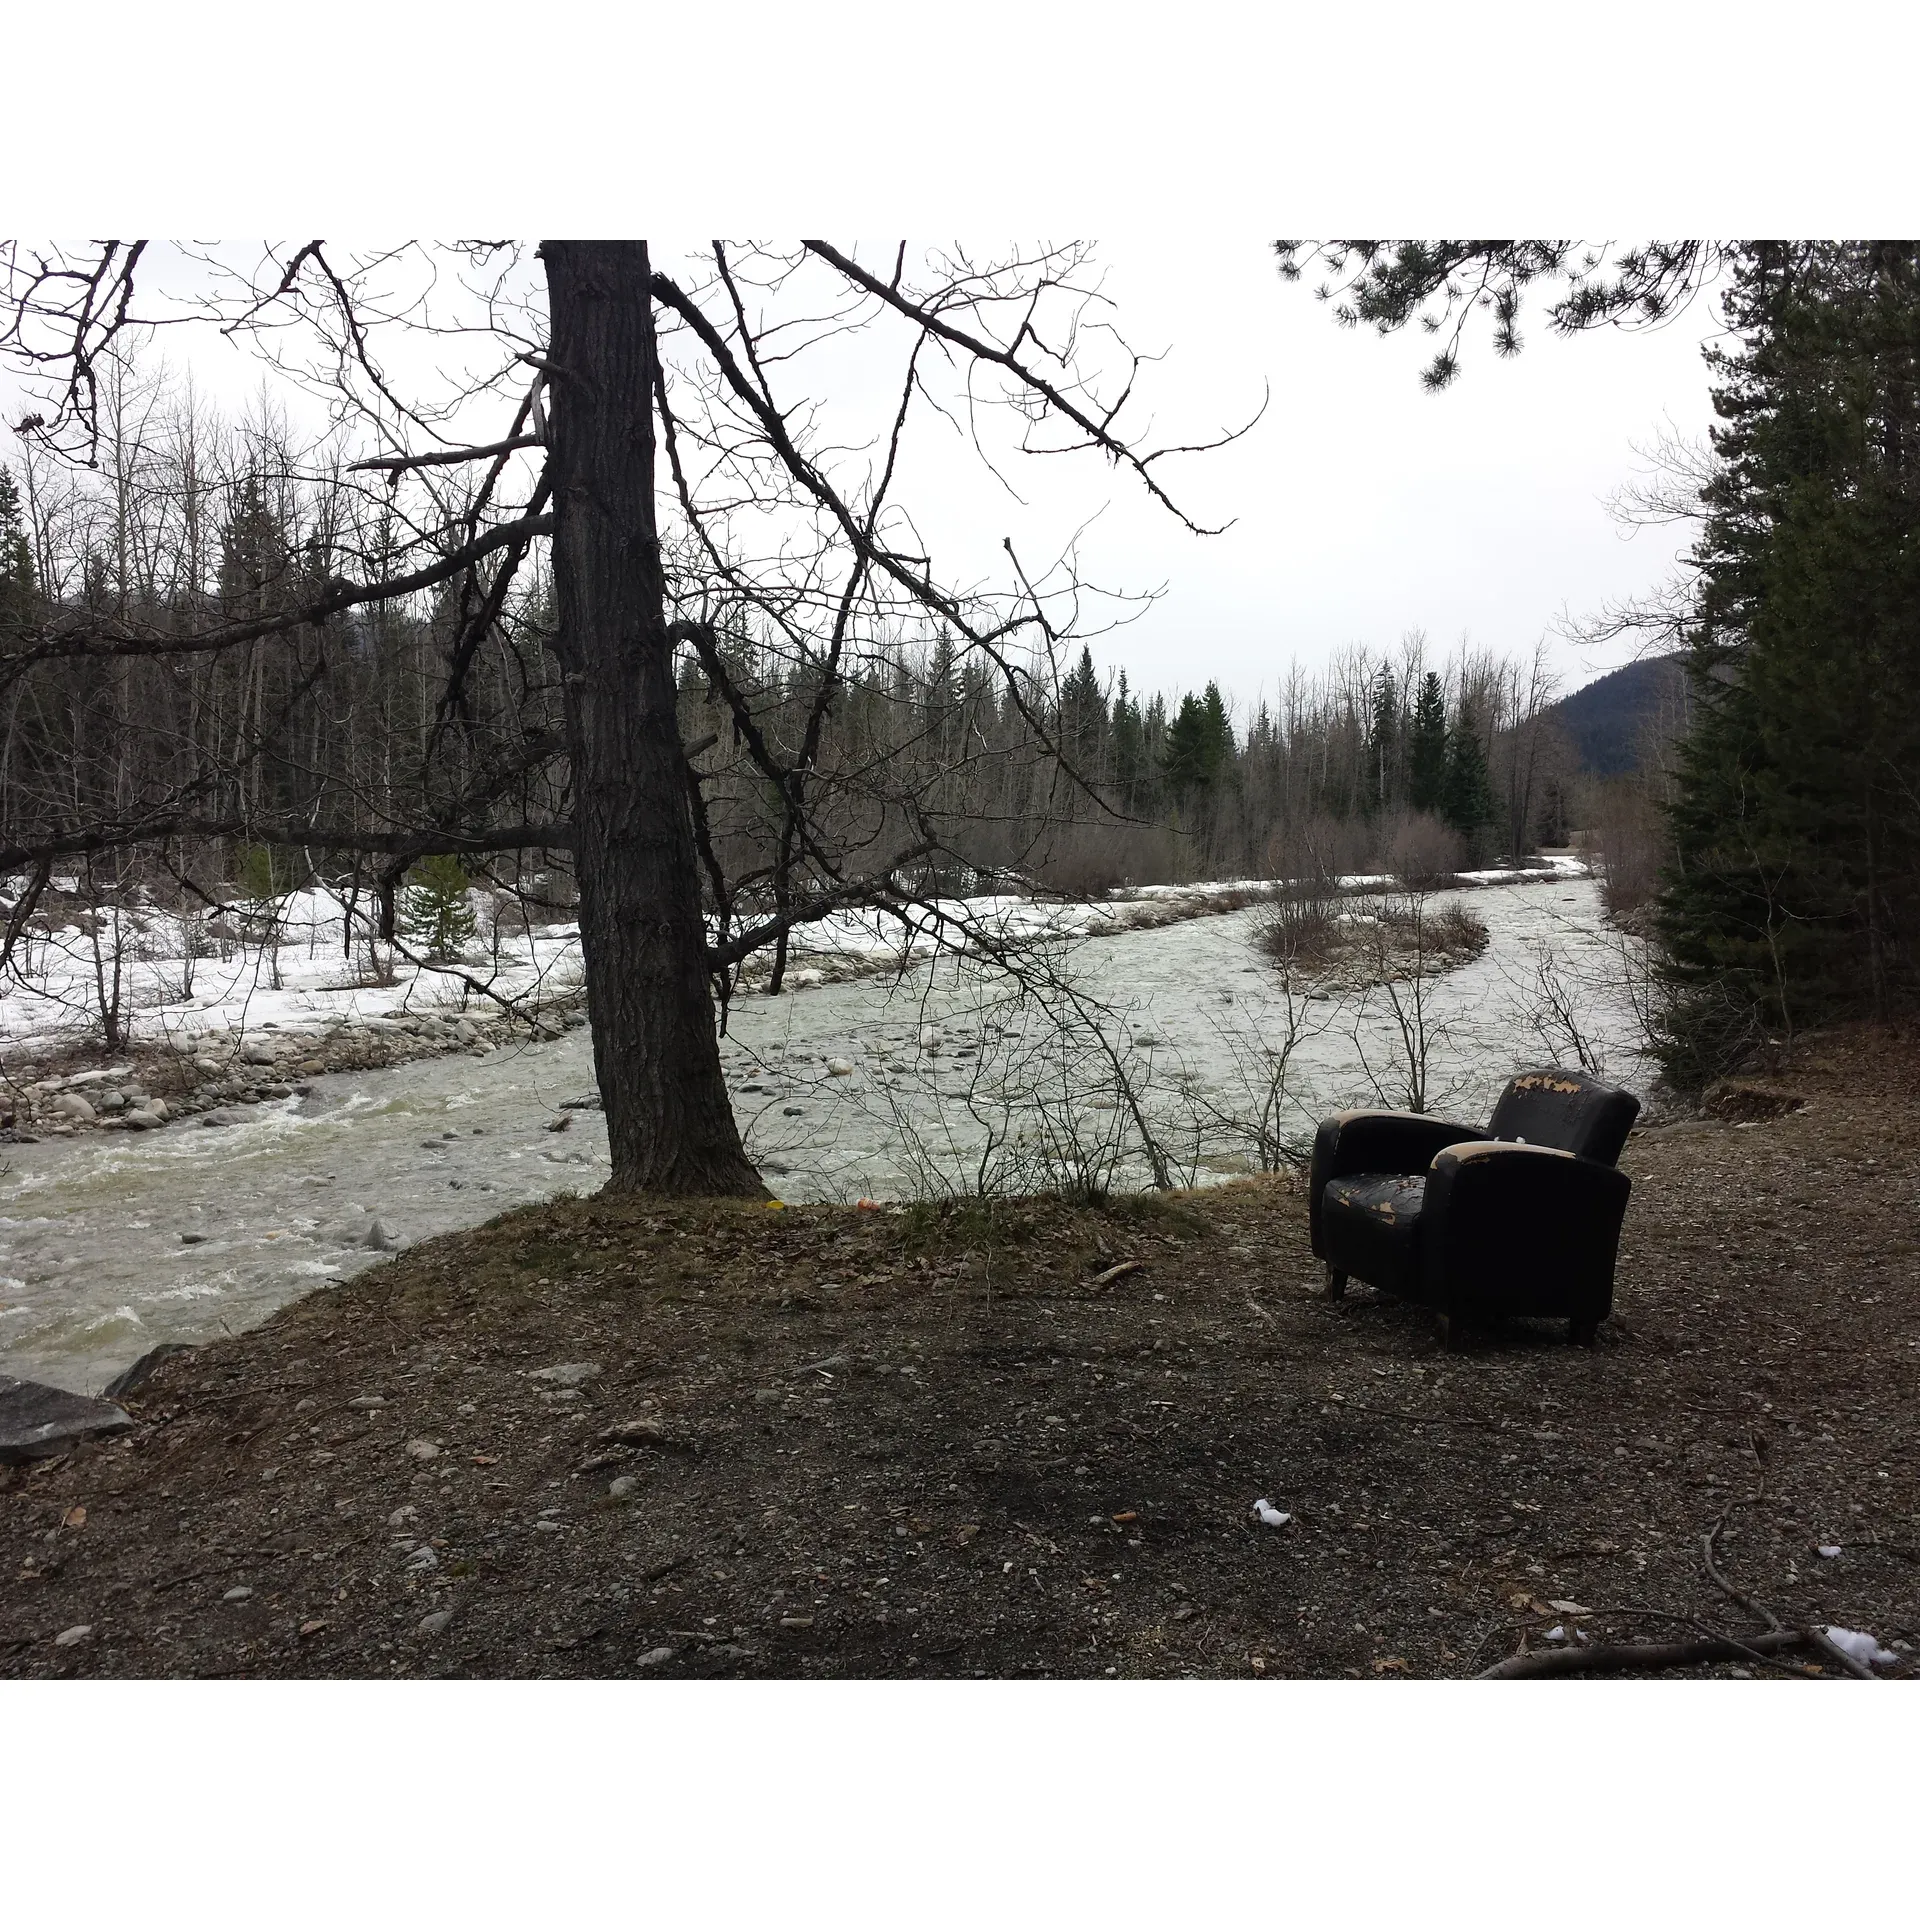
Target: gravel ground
{"points": [[612, 1438]]}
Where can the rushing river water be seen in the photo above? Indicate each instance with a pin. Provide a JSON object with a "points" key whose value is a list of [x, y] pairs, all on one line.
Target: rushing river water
{"points": [[942, 1080]]}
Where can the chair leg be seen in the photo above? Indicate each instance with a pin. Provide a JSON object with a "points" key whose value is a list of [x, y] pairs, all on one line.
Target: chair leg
{"points": [[1336, 1282], [1451, 1333], [1582, 1333]]}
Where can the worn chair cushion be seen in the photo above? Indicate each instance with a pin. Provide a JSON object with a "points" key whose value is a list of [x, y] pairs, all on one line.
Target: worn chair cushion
{"points": [[1370, 1227], [1555, 1107]]}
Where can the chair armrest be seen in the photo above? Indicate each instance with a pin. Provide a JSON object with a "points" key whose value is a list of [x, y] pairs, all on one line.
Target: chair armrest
{"points": [[1376, 1141], [1508, 1228]]}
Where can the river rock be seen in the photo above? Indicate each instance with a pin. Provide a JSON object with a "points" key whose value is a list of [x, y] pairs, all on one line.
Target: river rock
{"points": [[136, 1376], [37, 1422], [434, 1623], [258, 1053], [569, 1373], [72, 1636], [380, 1237], [71, 1106]]}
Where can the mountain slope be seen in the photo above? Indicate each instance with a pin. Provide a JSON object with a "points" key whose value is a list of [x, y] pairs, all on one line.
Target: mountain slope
{"points": [[1608, 720]]}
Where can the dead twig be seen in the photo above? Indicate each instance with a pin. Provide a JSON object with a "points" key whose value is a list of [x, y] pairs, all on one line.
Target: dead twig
{"points": [[1720, 1580], [1102, 1281], [1649, 1655]]}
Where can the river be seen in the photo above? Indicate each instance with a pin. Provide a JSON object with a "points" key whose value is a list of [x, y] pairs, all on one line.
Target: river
{"points": [[939, 1080]]}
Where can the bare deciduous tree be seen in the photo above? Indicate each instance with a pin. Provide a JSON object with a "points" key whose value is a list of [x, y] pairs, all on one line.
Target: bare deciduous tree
{"points": [[599, 475]]}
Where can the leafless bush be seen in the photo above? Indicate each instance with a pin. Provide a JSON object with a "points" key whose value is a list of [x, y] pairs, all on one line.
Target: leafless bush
{"points": [[1088, 859], [1546, 1002], [1261, 1108], [1301, 928], [1627, 847], [1408, 945], [1448, 934], [1319, 848], [1422, 851]]}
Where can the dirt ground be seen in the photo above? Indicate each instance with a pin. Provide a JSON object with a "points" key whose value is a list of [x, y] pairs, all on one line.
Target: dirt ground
{"points": [[1023, 1440]]}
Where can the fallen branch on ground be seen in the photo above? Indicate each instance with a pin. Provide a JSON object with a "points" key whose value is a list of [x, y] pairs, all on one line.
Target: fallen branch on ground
{"points": [[1645, 1655]]}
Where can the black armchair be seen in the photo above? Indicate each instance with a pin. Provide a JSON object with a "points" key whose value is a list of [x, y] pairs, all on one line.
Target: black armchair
{"points": [[1521, 1218]]}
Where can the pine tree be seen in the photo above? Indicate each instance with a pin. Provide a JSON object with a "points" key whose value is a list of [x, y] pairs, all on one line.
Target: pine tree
{"points": [[1189, 755], [1383, 743], [1222, 750], [1083, 718], [1794, 891], [1132, 762], [19, 596], [1466, 795], [1427, 749], [435, 912], [1200, 752]]}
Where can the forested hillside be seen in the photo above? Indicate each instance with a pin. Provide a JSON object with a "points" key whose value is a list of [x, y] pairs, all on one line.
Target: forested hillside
{"points": [[1608, 722]]}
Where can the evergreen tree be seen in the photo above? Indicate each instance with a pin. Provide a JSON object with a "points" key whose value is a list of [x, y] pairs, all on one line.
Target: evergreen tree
{"points": [[1222, 750], [19, 596], [1383, 743], [435, 911], [1199, 751], [1794, 891], [1427, 749], [1083, 718], [1466, 795], [1188, 757], [1132, 762]]}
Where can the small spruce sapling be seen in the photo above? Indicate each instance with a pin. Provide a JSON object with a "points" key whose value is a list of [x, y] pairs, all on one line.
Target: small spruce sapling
{"points": [[435, 912]]}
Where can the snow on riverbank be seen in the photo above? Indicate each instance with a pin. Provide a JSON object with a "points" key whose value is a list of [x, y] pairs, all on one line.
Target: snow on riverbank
{"points": [[289, 966]]}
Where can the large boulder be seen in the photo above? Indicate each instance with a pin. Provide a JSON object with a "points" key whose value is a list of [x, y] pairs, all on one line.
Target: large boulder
{"points": [[37, 1421]]}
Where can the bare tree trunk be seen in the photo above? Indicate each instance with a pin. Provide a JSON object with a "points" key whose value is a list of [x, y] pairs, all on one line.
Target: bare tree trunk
{"points": [[669, 1123]]}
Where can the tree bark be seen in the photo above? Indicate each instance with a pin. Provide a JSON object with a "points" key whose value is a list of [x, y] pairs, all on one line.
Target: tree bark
{"points": [[670, 1125]]}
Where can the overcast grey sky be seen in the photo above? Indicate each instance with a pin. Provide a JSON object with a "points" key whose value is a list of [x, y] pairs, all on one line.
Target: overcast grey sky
{"points": [[1362, 504]]}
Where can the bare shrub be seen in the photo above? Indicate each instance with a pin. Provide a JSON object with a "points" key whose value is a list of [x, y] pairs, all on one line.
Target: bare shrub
{"points": [[1422, 851], [1301, 928], [1088, 860], [1320, 848], [1627, 847], [1448, 934], [1408, 945]]}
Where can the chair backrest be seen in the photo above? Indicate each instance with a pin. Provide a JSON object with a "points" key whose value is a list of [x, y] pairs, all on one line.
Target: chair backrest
{"points": [[1554, 1107]]}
